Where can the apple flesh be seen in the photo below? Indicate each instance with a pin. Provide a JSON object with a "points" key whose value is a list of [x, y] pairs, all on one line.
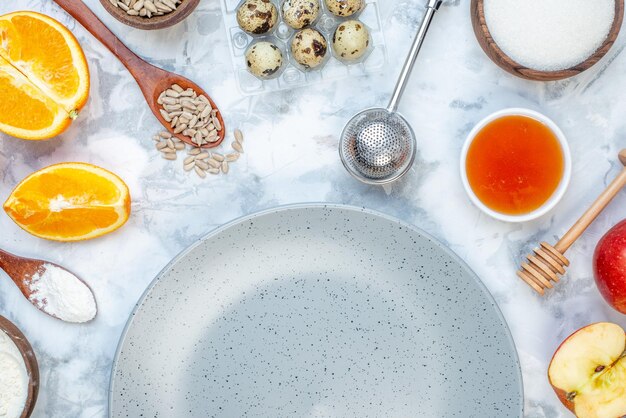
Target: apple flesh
{"points": [[588, 371], [609, 266]]}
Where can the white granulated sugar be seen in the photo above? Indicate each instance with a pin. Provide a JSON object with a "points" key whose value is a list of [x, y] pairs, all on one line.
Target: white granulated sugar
{"points": [[549, 35], [13, 379], [61, 294]]}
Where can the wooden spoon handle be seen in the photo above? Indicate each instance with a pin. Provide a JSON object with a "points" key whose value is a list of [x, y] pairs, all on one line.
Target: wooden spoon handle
{"points": [[592, 213], [16, 267], [79, 11], [7, 261]]}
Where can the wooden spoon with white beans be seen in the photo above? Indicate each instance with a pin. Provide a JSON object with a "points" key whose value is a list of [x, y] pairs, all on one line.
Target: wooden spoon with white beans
{"points": [[153, 81]]}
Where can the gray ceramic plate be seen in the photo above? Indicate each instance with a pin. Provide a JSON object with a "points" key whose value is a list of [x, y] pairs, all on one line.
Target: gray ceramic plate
{"points": [[317, 311]]}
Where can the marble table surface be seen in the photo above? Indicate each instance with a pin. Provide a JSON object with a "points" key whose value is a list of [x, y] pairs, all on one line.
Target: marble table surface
{"points": [[291, 157]]}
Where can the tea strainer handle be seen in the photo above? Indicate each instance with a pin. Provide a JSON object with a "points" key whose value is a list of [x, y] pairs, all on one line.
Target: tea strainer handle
{"points": [[433, 6]]}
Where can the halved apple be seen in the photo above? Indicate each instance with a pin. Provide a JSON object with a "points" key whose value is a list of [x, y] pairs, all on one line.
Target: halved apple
{"points": [[588, 371]]}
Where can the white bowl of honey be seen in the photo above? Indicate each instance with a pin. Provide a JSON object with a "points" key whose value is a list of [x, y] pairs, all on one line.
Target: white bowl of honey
{"points": [[516, 165]]}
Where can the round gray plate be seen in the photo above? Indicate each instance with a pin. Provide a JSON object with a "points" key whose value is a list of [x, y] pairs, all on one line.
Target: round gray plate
{"points": [[317, 311]]}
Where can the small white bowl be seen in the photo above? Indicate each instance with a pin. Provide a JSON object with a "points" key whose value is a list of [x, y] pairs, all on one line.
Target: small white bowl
{"points": [[558, 193]]}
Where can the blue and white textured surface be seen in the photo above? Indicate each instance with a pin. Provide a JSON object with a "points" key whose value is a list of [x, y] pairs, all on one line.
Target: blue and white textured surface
{"points": [[291, 157]]}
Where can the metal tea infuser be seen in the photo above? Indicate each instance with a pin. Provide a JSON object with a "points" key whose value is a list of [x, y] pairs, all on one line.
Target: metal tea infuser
{"points": [[378, 145]]}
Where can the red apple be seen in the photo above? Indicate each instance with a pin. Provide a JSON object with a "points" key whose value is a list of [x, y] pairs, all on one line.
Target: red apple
{"points": [[588, 371], [609, 266]]}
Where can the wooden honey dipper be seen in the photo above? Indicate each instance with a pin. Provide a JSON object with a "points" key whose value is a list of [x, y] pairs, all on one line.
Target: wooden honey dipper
{"points": [[548, 262]]}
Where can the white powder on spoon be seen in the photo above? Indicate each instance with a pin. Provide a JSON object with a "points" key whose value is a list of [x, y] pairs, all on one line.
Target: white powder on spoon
{"points": [[61, 294], [13, 379], [549, 35]]}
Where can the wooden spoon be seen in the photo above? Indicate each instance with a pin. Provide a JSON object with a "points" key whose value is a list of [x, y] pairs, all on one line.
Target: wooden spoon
{"points": [[493, 51], [151, 80], [22, 270], [549, 262]]}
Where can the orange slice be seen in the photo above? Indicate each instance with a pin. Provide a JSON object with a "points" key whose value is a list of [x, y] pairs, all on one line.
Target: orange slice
{"points": [[40, 55], [70, 202], [25, 111]]}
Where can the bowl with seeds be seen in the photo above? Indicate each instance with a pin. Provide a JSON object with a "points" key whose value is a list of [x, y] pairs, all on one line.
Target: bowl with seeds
{"points": [[150, 14]]}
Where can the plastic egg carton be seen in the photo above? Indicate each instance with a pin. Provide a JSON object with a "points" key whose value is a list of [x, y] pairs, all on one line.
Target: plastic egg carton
{"points": [[294, 75]]}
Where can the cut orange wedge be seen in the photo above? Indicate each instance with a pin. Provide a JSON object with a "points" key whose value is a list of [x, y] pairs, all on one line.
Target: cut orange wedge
{"points": [[44, 78], [70, 202]]}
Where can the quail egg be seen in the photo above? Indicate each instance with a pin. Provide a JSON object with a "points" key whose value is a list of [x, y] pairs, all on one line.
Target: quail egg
{"points": [[264, 59], [351, 40], [345, 8], [257, 16], [309, 48], [300, 13]]}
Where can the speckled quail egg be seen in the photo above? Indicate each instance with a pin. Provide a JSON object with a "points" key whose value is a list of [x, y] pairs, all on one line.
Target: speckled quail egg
{"points": [[351, 40], [257, 16], [300, 13], [264, 59], [309, 48], [345, 8]]}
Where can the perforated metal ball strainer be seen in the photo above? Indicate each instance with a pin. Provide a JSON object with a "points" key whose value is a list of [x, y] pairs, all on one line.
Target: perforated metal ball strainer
{"points": [[378, 145]]}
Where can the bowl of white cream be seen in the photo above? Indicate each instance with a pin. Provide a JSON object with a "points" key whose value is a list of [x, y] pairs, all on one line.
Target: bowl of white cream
{"points": [[19, 373]]}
